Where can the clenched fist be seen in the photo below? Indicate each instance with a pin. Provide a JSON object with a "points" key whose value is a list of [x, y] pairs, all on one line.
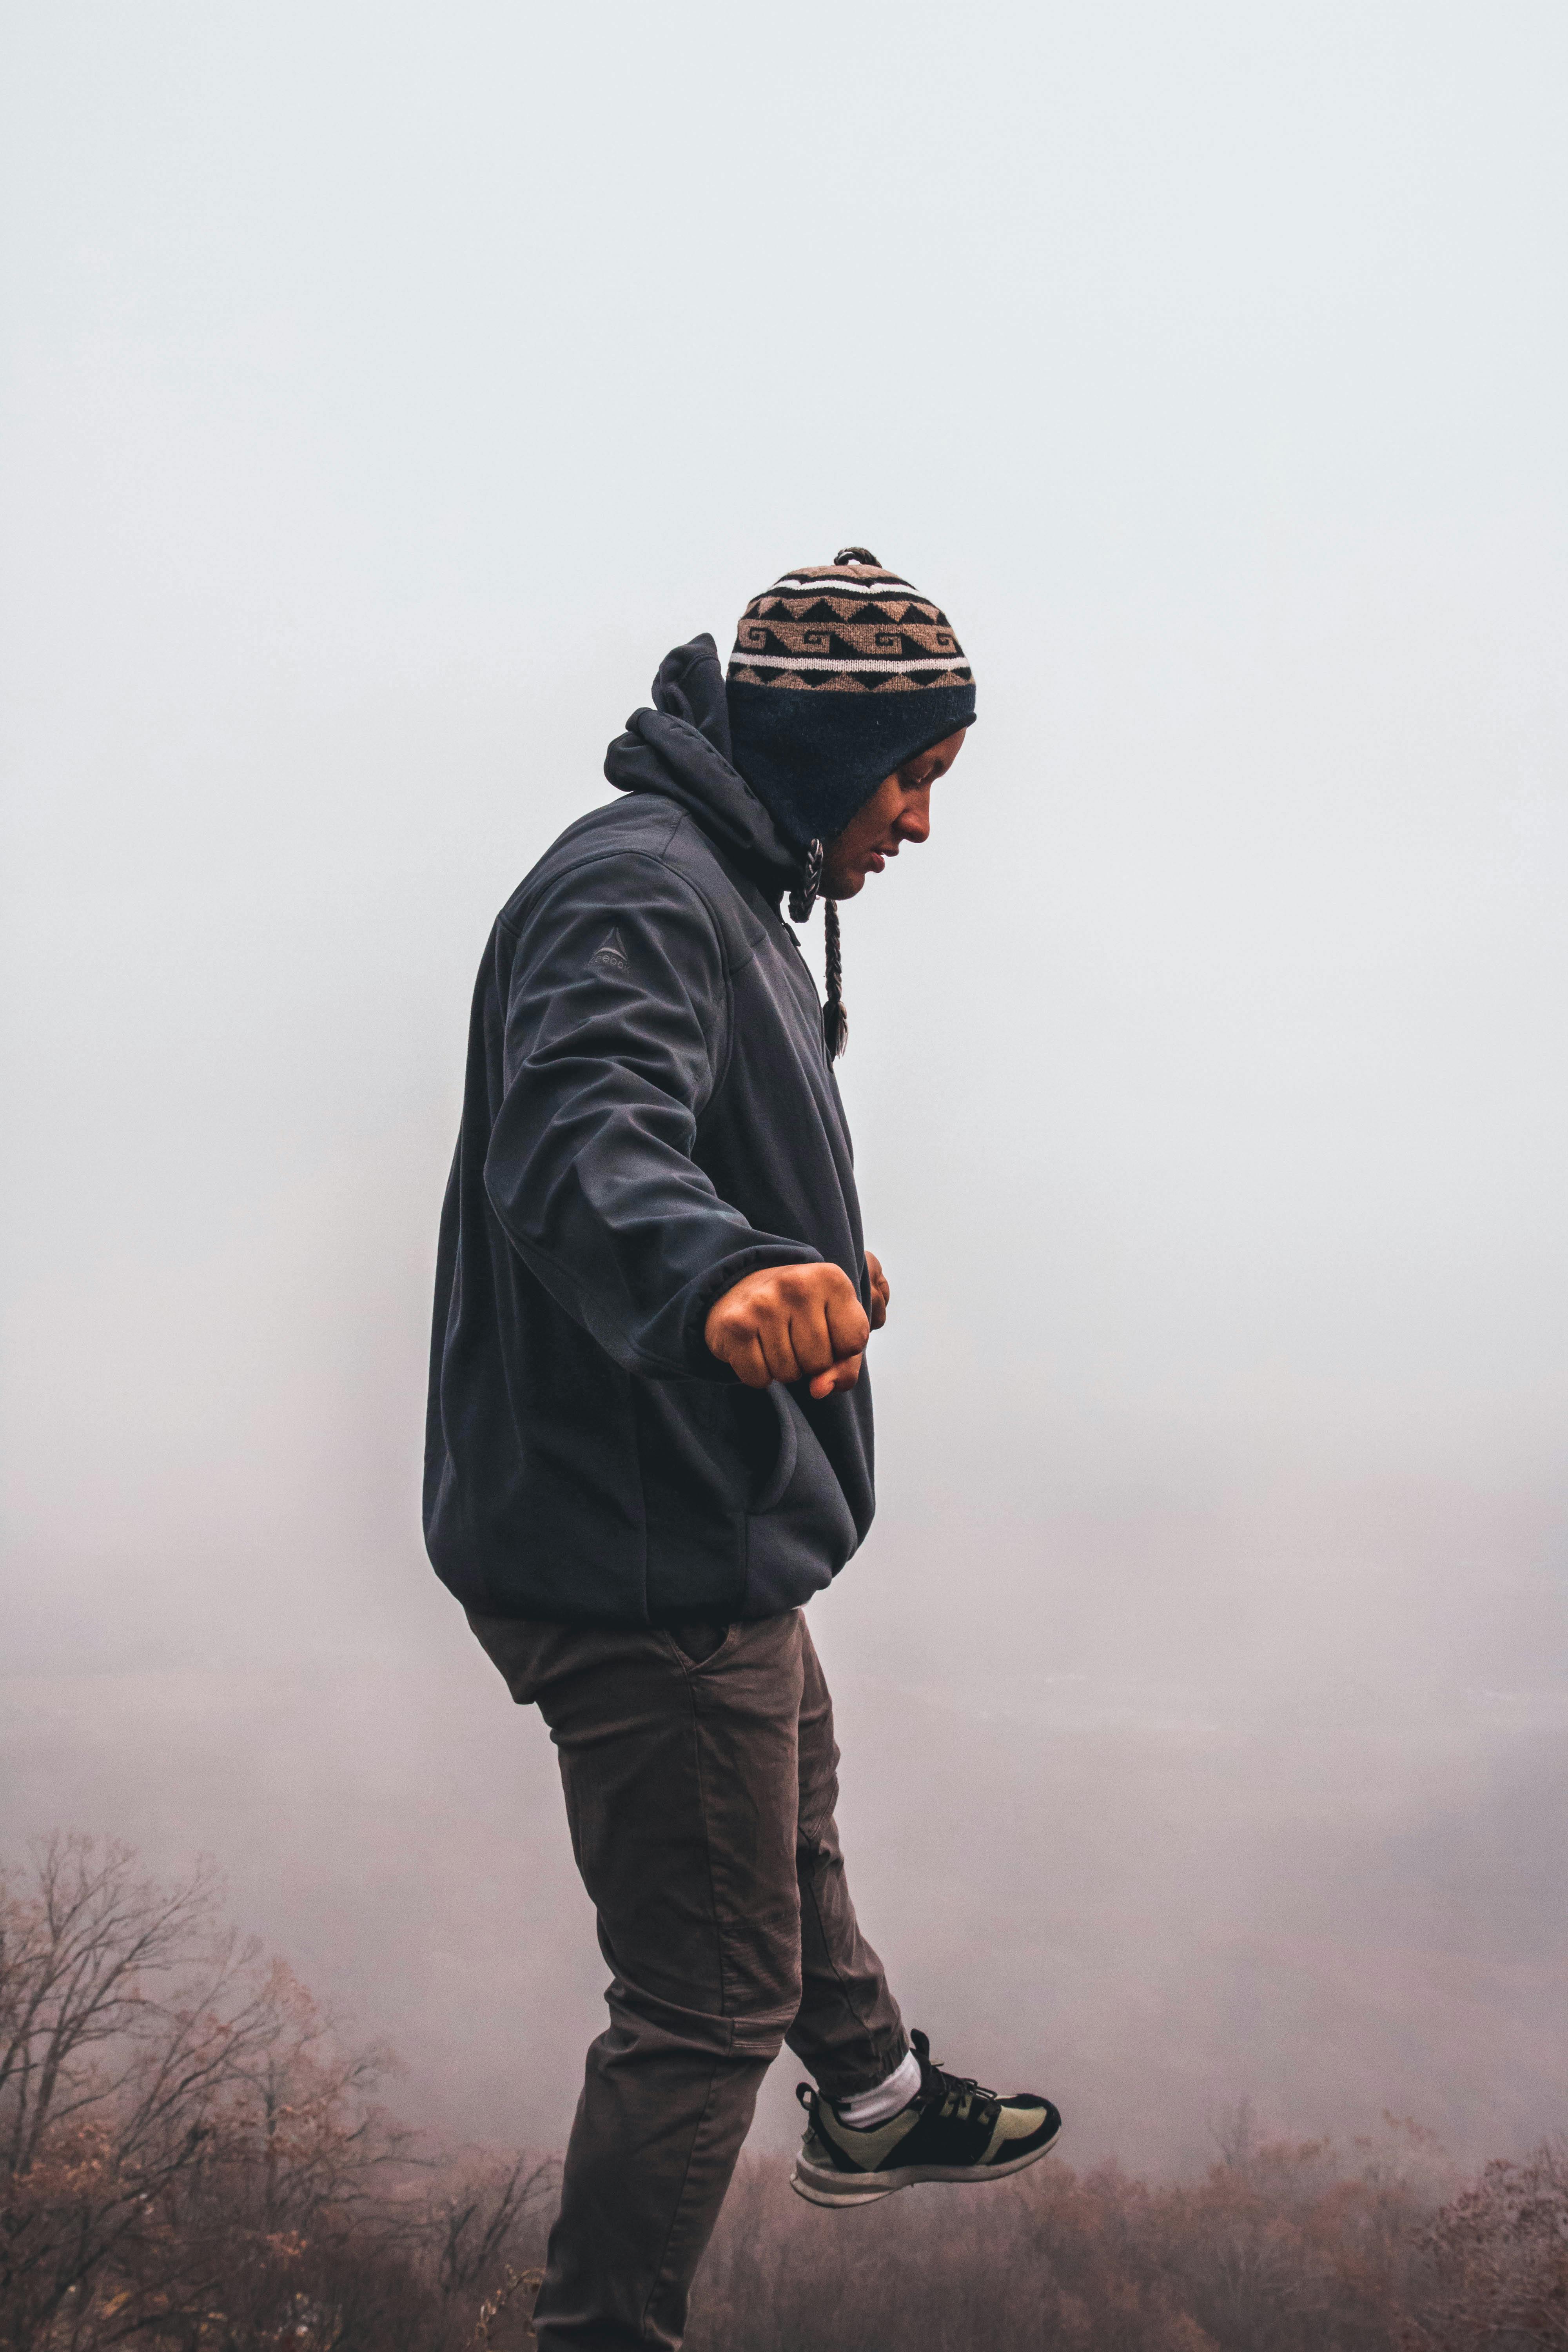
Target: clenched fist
{"points": [[792, 1323]]}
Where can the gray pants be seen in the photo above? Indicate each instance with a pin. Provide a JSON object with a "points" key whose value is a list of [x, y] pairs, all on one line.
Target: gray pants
{"points": [[700, 1782]]}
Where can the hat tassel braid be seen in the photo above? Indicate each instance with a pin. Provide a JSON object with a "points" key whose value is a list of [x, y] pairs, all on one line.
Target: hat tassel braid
{"points": [[834, 1019]]}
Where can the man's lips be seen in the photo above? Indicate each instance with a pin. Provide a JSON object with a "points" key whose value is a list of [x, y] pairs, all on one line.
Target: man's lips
{"points": [[877, 858]]}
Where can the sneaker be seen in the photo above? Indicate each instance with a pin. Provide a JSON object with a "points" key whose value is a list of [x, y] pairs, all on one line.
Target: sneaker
{"points": [[950, 2130]]}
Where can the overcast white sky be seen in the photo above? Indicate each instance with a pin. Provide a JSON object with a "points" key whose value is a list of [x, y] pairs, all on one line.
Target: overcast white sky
{"points": [[387, 388]]}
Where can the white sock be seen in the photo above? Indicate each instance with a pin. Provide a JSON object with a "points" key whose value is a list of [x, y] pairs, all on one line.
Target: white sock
{"points": [[867, 2109]]}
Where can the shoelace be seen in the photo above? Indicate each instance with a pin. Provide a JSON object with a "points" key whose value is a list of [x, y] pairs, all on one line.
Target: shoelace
{"points": [[955, 2095], [951, 2095]]}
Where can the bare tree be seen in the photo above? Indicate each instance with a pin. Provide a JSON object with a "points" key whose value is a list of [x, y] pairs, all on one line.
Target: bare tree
{"points": [[123, 2008], [1499, 2252], [173, 2114], [480, 2221]]}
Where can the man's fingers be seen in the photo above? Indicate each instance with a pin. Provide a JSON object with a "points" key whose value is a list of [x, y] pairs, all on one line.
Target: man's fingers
{"points": [[848, 1325], [774, 1339], [839, 1376], [746, 1360], [811, 1339]]}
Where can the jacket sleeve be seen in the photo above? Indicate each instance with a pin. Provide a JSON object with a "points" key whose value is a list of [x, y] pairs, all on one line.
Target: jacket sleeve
{"points": [[617, 1027]]}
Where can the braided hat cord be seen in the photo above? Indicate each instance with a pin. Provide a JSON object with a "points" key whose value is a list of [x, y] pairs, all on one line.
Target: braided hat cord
{"points": [[802, 899], [834, 1019]]}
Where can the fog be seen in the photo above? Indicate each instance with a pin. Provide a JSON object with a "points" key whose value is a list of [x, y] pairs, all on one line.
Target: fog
{"points": [[384, 391]]}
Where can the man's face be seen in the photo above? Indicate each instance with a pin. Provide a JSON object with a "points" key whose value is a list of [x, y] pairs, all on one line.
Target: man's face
{"points": [[897, 811]]}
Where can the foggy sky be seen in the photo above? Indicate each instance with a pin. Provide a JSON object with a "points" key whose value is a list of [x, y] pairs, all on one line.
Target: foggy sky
{"points": [[384, 391]]}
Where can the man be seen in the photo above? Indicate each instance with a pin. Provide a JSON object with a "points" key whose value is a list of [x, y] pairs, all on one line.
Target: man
{"points": [[651, 1429]]}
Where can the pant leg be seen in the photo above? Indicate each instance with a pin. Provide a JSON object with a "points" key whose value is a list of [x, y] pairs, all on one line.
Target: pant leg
{"points": [[682, 1793], [847, 2030]]}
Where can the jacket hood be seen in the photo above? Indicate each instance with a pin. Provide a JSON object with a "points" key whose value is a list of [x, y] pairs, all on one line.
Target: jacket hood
{"points": [[680, 749]]}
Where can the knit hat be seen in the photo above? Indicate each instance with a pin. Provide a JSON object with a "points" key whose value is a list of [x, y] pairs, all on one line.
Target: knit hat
{"points": [[841, 672]]}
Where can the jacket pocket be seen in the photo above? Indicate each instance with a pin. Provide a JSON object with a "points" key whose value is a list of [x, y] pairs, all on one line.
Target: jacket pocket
{"points": [[799, 1532], [776, 1482]]}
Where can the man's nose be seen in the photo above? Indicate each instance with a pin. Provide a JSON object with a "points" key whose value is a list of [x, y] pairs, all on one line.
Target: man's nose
{"points": [[914, 823]]}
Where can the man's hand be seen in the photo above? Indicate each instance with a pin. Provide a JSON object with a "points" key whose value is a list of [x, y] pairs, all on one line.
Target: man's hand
{"points": [[792, 1323], [880, 1291]]}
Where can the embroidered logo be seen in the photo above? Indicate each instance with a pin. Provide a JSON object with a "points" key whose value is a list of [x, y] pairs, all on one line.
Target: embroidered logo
{"points": [[610, 955]]}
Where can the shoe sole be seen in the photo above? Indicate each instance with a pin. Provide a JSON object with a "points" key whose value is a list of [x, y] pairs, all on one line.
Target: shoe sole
{"points": [[841, 2189]]}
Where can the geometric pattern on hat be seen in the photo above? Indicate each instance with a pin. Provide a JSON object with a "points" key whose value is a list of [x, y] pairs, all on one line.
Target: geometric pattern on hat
{"points": [[847, 627]]}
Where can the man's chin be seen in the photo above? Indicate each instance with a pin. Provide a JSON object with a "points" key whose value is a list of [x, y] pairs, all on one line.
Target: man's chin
{"points": [[847, 885]]}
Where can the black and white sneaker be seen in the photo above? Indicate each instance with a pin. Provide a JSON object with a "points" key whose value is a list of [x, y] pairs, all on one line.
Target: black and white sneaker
{"points": [[951, 2131]]}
